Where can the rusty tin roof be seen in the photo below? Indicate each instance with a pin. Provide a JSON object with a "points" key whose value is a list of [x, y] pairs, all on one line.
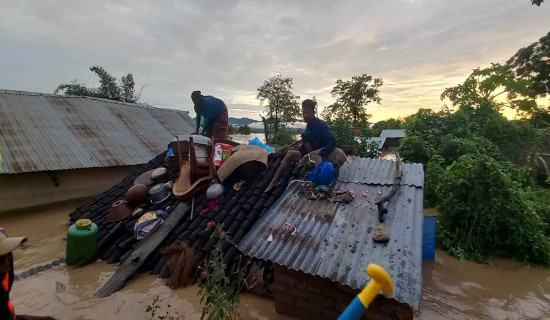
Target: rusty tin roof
{"points": [[334, 240], [42, 132]]}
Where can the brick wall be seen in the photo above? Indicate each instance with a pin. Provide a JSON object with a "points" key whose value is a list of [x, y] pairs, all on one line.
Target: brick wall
{"points": [[305, 296]]}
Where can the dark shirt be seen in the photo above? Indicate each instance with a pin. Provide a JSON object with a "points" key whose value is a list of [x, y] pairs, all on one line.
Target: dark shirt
{"points": [[318, 135], [209, 108]]}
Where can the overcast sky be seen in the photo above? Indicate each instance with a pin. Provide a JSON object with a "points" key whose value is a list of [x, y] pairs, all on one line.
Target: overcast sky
{"points": [[228, 48]]}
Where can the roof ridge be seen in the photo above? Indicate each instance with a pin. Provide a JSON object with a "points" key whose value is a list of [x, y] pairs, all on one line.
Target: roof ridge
{"points": [[132, 104]]}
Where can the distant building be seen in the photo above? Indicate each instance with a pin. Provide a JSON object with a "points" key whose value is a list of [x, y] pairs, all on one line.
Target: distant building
{"points": [[392, 137], [56, 148]]}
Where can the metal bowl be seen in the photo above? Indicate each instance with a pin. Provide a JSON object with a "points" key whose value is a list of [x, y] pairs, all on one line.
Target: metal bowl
{"points": [[119, 210], [159, 193], [137, 195]]}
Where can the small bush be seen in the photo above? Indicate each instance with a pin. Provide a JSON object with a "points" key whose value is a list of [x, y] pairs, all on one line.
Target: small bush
{"points": [[283, 137], [368, 149], [414, 149], [435, 169], [484, 211], [220, 297], [346, 134]]}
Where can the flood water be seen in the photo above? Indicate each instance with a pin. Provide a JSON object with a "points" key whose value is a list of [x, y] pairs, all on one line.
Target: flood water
{"points": [[452, 289]]}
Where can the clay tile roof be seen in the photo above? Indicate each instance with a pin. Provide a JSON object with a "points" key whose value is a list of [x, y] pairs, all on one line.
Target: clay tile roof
{"points": [[238, 212]]}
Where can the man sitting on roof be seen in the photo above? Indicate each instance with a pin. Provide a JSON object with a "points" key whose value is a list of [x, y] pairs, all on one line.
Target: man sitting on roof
{"points": [[7, 245], [317, 142]]}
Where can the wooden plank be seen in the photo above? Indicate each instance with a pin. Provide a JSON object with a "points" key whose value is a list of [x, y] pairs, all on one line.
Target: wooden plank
{"points": [[132, 264]]}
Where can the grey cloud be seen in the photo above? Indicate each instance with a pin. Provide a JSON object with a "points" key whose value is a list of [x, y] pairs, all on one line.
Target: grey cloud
{"points": [[228, 48]]}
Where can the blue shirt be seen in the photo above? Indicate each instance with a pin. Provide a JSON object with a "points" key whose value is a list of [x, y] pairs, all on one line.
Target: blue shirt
{"points": [[318, 135], [209, 108]]}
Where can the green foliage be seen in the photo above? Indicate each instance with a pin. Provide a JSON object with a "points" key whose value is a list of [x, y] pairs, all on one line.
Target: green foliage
{"points": [[532, 63], [485, 211], [386, 124], [485, 85], [232, 130], [537, 2], [434, 171], [283, 137], [468, 130], [414, 149], [238, 130], [352, 98], [244, 129], [369, 149], [220, 297], [344, 131], [154, 309], [345, 134], [109, 87], [282, 105]]}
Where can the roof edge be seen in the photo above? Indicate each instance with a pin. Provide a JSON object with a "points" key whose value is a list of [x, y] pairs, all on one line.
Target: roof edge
{"points": [[137, 105]]}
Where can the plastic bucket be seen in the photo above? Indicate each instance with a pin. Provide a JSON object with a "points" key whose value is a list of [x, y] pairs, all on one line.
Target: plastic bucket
{"points": [[428, 238]]}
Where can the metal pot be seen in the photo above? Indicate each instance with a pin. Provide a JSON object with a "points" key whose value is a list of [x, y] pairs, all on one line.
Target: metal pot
{"points": [[159, 193]]}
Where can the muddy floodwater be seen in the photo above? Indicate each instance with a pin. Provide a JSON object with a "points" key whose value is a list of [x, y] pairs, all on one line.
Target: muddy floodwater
{"points": [[501, 289]]}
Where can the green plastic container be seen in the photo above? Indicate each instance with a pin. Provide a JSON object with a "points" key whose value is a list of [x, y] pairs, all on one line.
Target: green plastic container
{"points": [[81, 241]]}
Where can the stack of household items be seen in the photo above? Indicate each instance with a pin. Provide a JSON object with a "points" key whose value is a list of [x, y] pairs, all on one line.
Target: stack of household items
{"points": [[176, 201]]}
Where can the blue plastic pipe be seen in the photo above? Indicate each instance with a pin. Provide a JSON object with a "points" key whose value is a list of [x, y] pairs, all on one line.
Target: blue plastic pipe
{"points": [[354, 310]]}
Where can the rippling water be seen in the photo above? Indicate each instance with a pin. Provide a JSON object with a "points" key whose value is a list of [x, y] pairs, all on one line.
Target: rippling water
{"points": [[502, 289]]}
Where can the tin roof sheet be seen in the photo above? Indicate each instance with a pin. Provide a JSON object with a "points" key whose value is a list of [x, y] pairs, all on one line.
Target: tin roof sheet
{"points": [[393, 133], [52, 132], [334, 240], [378, 140], [380, 171]]}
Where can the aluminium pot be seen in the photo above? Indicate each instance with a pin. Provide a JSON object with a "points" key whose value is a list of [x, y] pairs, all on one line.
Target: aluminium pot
{"points": [[159, 193]]}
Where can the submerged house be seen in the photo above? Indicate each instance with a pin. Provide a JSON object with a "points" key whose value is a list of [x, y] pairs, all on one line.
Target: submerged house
{"points": [[316, 270], [392, 137], [321, 249], [56, 148]]}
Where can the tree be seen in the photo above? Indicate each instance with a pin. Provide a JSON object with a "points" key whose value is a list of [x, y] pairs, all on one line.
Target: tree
{"points": [[282, 105], [485, 85], [386, 124], [533, 63], [244, 129], [232, 130], [537, 2], [109, 87], [352, 98]]}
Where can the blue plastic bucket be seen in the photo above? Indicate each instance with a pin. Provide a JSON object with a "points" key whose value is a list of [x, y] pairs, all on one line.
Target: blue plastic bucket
{"points": [[428, 239]]}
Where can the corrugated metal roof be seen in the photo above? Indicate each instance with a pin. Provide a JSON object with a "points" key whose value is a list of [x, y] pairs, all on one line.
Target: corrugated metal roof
{"points": [[393, 133], [378, 140], [52, 132], [334, 240], [379, 171]]}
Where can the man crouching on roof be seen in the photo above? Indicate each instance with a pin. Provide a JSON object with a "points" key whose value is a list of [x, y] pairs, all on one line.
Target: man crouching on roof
{"points": [[7, 245], [318, 143]]}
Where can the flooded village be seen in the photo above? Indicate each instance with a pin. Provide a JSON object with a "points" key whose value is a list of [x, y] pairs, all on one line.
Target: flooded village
{"points": [[358, 193]]}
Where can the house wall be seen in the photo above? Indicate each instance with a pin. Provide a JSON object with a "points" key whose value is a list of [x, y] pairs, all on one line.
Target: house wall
{"points": [[306, 296], [25, 190], [391, 142]]}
